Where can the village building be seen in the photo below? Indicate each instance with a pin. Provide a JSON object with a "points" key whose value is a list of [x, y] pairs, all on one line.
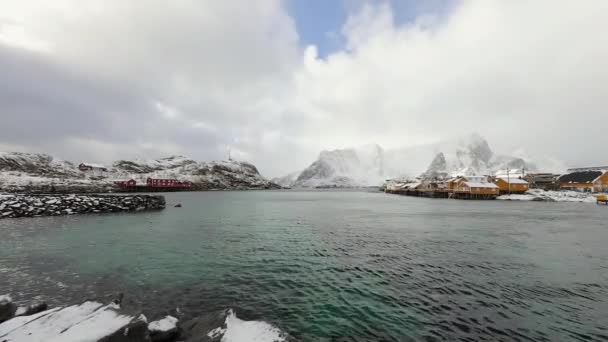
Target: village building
{"points": [[93, 169], [475, 187], [586, 181], [511, 185], [545, 181]]}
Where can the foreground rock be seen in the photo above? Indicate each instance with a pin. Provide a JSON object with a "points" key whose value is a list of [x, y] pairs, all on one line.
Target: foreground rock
{"points": [[93, 321], [7, 308], [55, 205]]}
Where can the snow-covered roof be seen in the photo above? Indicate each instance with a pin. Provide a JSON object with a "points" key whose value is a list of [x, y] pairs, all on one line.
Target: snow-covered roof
{"points": [[481, 185], [513, 180], [600, 176], [476, 179], [411, 185]]}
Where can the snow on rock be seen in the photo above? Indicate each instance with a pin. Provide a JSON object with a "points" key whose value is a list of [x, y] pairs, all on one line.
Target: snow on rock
{"points": [[165, 329], [165, 324], [237, 330], [89, 321], [551, 196]]}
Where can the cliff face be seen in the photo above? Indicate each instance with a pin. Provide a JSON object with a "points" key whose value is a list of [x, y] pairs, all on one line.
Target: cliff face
{"points": [[361, 166], [32, 172]]}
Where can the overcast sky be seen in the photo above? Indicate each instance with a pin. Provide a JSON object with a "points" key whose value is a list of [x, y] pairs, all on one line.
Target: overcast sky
{"points": [[278, 81]]}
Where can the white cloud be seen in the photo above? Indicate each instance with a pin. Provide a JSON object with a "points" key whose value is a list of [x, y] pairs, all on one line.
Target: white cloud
{"points": [[194, 77]]}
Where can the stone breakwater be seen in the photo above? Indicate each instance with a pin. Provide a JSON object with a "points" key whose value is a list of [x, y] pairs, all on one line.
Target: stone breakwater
{"points": [[55, 205]]}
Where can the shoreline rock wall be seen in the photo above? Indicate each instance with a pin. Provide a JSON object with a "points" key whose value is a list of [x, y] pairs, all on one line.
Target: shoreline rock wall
{"points": [[12, 206]]}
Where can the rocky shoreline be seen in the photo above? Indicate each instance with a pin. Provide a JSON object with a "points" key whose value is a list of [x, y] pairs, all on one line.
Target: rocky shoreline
{"points": [[29, 205], [94, 321]]}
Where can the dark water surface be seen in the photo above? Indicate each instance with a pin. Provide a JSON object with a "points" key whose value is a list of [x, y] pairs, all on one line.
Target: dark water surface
{"points": [[334, 265]]}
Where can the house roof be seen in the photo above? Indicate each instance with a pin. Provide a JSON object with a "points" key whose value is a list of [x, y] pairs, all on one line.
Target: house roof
{"points": [[481, 185], [513, 180], [411, 185], [580, 177]]}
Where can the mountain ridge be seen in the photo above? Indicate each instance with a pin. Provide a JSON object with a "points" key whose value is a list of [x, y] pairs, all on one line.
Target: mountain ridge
{"points": [[39, 172], [470, 155]]}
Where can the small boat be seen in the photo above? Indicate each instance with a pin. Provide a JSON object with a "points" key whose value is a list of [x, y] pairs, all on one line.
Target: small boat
{"points": [[602, 199]]}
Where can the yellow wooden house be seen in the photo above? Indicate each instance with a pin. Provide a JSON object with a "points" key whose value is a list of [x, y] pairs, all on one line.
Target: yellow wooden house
{"points": [[511, 185], [475, 185]]}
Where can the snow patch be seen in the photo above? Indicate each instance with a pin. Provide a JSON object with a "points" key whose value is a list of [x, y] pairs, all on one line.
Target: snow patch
{"points": [[89, 321], [165, 324], [238, 330], [551, 196]]}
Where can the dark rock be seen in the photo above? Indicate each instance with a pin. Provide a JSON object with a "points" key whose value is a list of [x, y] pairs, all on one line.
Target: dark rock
{"points": [[7, 309], [135, 331], [196, 329], [34, 309]]}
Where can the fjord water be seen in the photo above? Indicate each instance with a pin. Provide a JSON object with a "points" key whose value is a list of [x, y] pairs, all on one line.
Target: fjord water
{"points": [[333, 265]]}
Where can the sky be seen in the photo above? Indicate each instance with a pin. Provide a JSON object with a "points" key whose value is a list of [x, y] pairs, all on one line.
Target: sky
{"points": [[277, 81]]}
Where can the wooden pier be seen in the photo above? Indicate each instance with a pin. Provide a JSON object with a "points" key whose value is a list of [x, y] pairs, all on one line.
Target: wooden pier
{"points": [[443, 194]]}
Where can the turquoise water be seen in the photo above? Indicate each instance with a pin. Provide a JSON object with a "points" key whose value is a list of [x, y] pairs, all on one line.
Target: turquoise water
{"points": [[333, 265]]}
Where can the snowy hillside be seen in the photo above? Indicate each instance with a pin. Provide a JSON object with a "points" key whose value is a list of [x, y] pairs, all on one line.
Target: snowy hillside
{"points": [[363, 166], [40, 164], [371, 165], [43, 173], [286, 181]]}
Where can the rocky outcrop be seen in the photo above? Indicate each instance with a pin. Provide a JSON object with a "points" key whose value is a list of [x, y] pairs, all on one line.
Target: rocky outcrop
{"points": [[55, 205], [93, 321]]}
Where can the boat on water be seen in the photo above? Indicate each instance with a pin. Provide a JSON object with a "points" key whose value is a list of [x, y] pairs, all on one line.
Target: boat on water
{"points": [[602, 199]]}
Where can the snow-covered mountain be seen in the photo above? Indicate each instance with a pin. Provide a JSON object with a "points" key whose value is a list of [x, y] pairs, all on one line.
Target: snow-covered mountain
{"points": [[287, 180], [471, 156], [363, 166], [41, 172], [371, 165]]}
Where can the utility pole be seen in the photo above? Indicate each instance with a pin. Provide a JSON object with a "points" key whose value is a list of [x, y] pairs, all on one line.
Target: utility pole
{"points": [[509, 180]]}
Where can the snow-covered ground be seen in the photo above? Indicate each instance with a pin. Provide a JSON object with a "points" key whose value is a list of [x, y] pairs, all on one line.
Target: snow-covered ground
{"points": [[551, 196], [237, 330]]}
